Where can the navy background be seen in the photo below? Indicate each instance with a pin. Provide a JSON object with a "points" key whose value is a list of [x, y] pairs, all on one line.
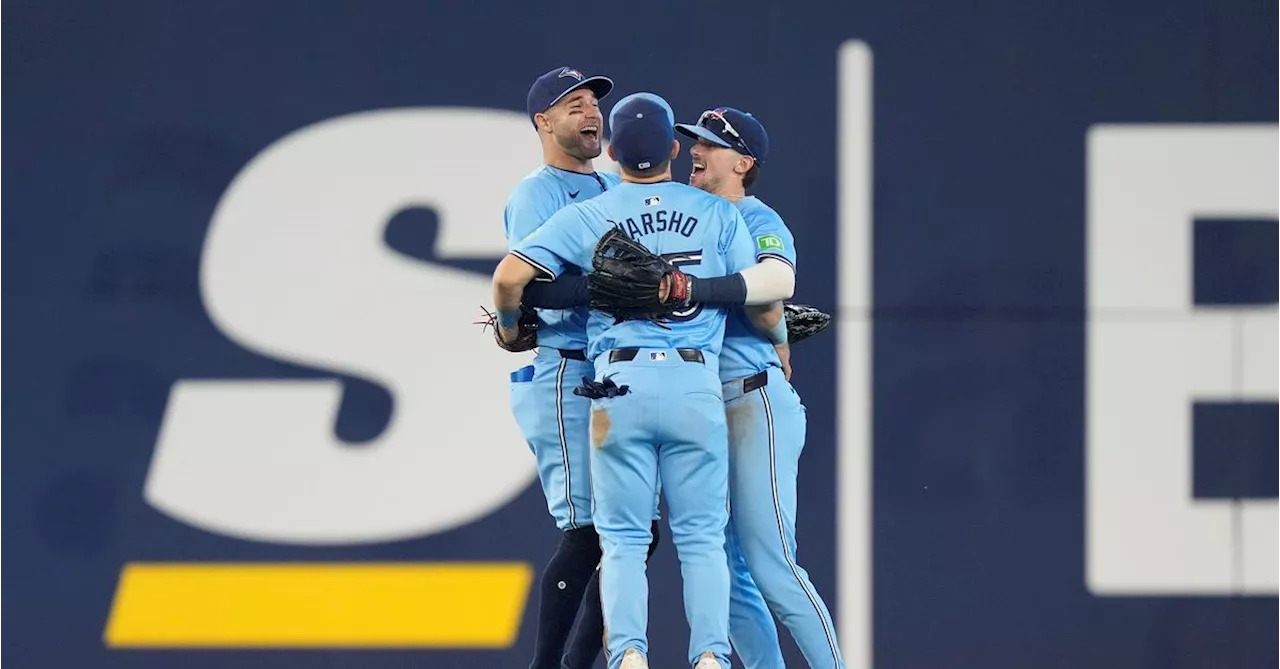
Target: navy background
{"points": [[126, 122]]}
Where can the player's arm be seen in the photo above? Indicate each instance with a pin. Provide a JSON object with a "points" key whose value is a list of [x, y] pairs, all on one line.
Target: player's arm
{"points": [[763, 283], [739, 249], [530, 205], [770, 321], [565, 292], [509, 280], [770, 278], [544, 254]]}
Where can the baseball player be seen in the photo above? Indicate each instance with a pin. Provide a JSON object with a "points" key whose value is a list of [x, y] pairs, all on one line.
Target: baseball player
{"points": [[727, 160], [766, 418], [563, 106], [657, 413]]}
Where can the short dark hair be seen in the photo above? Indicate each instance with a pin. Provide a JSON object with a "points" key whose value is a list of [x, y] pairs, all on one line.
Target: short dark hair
{"points": [[650, 172], [749, 178]]}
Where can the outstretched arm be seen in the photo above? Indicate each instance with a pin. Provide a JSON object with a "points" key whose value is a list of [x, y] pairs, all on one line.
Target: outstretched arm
{"points": [[764, 283], [566, 292]]}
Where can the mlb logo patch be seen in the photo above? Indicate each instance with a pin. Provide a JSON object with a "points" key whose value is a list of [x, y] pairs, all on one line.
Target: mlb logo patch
{"points": [[657, 356], [652, 201], [570, 72]]}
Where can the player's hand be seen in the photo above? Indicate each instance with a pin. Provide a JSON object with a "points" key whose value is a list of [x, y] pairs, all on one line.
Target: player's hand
{"points": [[629, 281], [675, 288], [523, 336], [784, 355], [509, 334]]}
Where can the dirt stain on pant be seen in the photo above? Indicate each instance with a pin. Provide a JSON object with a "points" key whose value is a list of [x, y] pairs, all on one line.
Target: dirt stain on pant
{"points": [[600, 425], [741, 416]]}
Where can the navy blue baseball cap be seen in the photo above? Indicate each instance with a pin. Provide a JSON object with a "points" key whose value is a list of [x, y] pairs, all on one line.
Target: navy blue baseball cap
{"points": [[732, 129], [551, 87], [643, 130]]}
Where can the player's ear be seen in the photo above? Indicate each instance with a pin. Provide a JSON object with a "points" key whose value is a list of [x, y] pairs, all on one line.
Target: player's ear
{"points": [[675, 149], [744, 164], [544, 123], [611, 156]]}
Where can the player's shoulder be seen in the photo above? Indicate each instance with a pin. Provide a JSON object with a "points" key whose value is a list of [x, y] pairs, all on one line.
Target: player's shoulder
{"points": [[537, 185], [610, 178], [761, 218], [753, 207]]}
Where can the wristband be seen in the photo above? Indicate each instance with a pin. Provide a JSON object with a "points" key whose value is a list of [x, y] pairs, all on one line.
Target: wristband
{"points": [[680, 288], [509, 319], [722, 290]]}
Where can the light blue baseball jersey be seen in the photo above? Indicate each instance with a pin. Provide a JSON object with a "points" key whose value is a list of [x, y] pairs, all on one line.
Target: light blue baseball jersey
{"points": [[698, 232], [537, 197], [746, 352]]}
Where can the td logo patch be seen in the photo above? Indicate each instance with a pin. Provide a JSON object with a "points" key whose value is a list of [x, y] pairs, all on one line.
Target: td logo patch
{"points": [[768, 242]]}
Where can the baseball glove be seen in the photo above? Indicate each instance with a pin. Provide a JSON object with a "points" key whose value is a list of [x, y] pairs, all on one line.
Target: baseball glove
{"points": [[627, 279], [803, 321], [526, 339]]}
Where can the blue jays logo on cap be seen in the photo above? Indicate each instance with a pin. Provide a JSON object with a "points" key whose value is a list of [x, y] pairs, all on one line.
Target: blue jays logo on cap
{"points": [[552, 87]]}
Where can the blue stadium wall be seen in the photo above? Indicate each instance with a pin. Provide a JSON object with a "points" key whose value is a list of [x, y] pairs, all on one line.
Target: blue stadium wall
{"points": [[954, 174]]}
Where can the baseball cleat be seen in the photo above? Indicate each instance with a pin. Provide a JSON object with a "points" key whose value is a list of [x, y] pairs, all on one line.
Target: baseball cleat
{"points": [[632, 659], [708, 661]]}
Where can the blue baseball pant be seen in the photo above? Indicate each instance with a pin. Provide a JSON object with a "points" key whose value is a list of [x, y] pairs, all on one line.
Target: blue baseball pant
{"points": [[766, 436], [554, 422], [669, 426], [751, 629]]}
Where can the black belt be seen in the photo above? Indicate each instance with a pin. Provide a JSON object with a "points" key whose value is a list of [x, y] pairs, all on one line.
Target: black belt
{"points": [[629, 354], [572, 354], [755, 381]]}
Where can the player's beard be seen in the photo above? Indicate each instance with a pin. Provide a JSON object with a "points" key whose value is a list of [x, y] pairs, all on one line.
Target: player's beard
{"points": [[579, 145], [705, 181]]}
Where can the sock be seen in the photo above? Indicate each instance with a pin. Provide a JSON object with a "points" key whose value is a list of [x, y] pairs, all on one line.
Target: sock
{"points": [[560, 593], [588, 636]]}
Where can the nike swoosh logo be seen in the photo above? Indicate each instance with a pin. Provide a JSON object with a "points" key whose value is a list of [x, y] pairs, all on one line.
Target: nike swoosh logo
{"points": [[574, 194]]}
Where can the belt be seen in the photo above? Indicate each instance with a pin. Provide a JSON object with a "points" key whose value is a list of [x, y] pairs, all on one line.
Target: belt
{"points": [[572, 354], [758, 380], [629, 354]]}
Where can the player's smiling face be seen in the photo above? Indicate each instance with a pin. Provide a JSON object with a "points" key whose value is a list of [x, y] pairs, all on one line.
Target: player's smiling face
{"points": [[716, 169], [576, 123]]}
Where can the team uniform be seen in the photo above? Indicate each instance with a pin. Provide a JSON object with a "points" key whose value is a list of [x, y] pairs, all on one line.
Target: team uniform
{"points": [[552, 419], [766, 436], [670, 423]]}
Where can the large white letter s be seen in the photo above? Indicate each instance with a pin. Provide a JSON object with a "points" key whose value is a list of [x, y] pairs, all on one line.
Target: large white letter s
{"points": [[295, 268]]}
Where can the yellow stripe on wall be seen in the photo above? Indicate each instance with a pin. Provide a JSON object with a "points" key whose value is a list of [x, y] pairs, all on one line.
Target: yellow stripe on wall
{"points": [[435, 605]]}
